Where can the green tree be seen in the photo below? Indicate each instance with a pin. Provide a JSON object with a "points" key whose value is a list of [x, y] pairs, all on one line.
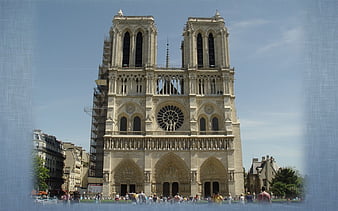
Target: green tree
{"points": [[40, 174], [287, 183]]}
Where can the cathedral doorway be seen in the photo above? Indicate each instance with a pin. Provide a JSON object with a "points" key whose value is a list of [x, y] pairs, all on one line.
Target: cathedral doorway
{"points": [[207, 192], [213, 177], [132, 188], [209, 189], [128, 178], [166, 189], [127, 188], [172, 176], [174, 188], [124, 190], [215, 187]]}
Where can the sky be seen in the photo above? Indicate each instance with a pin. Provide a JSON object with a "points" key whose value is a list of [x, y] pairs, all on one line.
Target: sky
{"points": [[266, 51]]}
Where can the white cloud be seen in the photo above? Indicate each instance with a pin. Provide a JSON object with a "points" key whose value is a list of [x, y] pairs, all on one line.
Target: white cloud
{"points": [[271, 126], [291, 37], [248, 23]]}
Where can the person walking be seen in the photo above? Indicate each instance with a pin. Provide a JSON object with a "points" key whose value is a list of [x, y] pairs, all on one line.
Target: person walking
{"points": [[249, 198], [229, 198], [264, 197]]}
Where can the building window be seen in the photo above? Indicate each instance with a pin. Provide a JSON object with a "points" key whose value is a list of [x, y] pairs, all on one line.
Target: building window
{"points": [[170, 118], [123, 124], [138, 55], [211, 50], [215, 124], [126, 50], [199, 50], [202, 126], [137, 124]]}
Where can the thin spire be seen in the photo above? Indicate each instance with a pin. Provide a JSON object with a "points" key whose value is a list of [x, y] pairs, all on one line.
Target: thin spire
{"points": [[167, 56]]}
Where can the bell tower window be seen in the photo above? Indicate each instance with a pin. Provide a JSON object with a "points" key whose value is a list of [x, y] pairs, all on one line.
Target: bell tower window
{"points": [[211, 50], [199, 50], [138, 55], [126, 50]]}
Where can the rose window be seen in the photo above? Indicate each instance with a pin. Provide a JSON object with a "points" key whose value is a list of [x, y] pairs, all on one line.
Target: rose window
{"points": [[170, 118]]}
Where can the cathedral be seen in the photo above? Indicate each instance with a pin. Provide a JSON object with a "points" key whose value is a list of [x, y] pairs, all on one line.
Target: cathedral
{"points": [[164, 130]]}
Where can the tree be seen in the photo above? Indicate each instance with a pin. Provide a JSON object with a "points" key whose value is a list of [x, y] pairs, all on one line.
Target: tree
{"points": [[287, 183], [41, 173]]}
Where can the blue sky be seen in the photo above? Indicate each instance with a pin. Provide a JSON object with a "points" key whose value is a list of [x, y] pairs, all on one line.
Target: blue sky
{"points": [[265, 50]]}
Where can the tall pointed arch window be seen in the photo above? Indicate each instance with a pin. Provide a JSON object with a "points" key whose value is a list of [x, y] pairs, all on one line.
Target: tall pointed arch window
{"points": [[126, 50], [202, 126], [123, 124], [137, 124], [214, 124], [199, 50], [211, 48], [138, 53]]}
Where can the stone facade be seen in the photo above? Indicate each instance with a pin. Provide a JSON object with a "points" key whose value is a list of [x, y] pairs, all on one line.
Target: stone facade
{"points": [[50, 150], [261, 174], [76, 168], [167, 130]]}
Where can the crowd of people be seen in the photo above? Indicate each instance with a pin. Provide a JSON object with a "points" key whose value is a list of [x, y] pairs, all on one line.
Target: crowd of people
{"points": [[142, 198]]}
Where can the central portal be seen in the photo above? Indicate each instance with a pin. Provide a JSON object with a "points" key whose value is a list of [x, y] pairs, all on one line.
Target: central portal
{"points": [[172, 176]]}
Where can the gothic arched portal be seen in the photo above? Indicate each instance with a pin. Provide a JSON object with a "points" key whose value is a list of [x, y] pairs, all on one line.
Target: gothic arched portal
{"points": [[213, 177], [128, 177], [172, 172]]}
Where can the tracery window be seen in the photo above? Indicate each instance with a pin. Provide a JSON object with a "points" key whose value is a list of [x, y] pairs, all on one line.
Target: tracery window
{"points": [[126, 50], [138, 53], [170, 118], [199, 50], [211, 49]]}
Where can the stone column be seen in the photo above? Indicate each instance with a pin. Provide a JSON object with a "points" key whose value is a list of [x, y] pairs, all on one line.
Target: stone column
{"points": [[227, 51], [205, 51], [147, 184], [132, 50], [194, 183], [223, 47], [106, 186]]}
